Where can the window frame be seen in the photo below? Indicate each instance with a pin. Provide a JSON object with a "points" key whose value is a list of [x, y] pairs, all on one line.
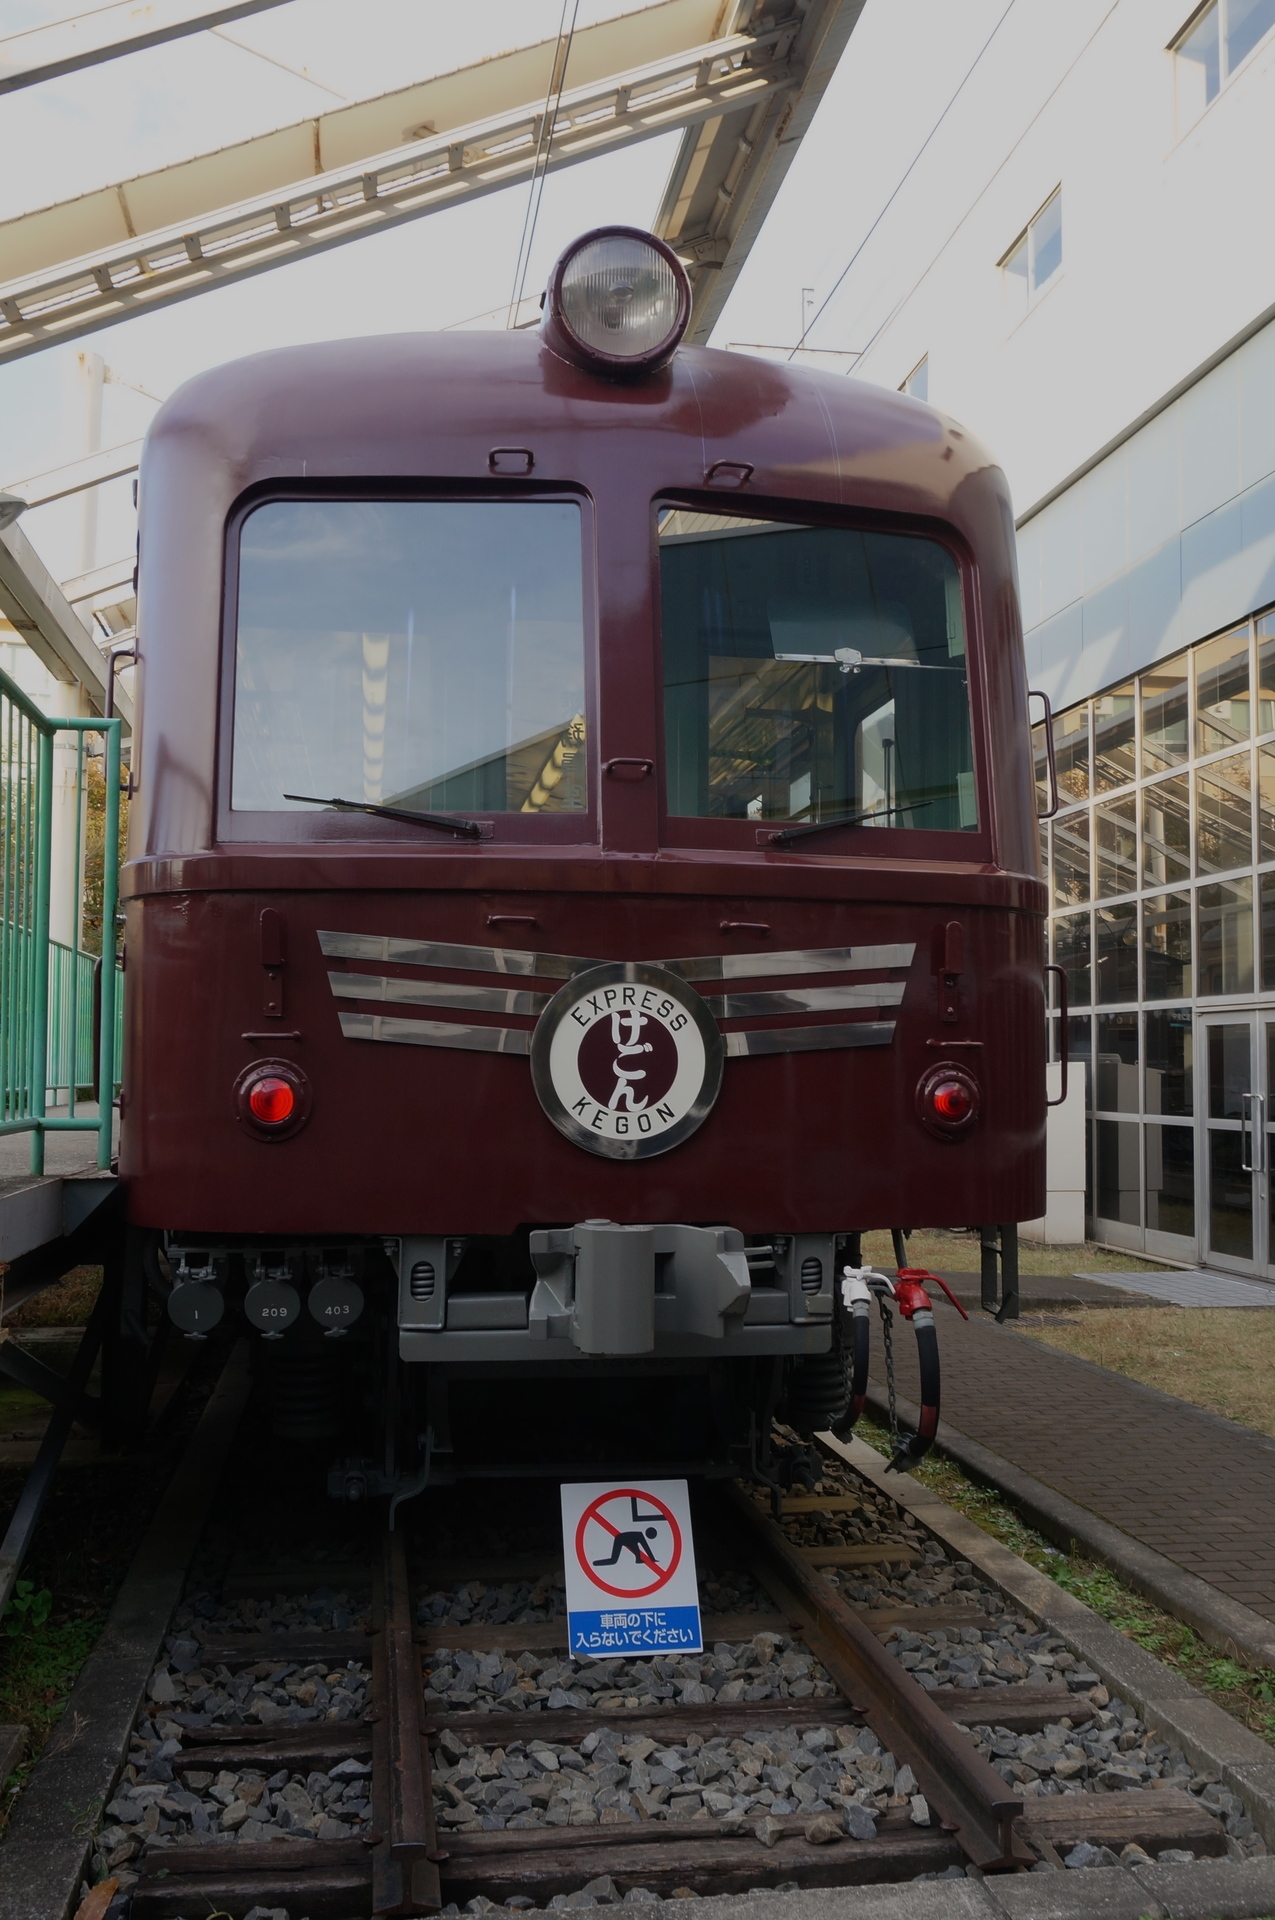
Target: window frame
{"points": [[1258, 872], [238, 826], [862, 846], [1225, 72], [1025, 237], [905, 385]]}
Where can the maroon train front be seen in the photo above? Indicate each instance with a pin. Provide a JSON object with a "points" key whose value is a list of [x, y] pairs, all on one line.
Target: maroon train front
{"points": [[583, 873]]}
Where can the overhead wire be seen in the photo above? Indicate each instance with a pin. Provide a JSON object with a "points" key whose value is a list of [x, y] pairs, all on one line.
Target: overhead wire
{"points": [[902, 182], [903, 300], [540, 165]]}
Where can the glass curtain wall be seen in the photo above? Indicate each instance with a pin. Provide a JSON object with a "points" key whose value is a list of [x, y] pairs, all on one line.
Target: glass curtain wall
{"points": [[1161, 870]]}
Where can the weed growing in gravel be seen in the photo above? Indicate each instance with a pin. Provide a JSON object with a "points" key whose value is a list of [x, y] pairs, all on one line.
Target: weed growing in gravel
{"points": [[1245, 1692]]}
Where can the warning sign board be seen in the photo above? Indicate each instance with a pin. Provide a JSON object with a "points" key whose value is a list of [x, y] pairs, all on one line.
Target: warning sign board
{"points": [[630, 1560]]}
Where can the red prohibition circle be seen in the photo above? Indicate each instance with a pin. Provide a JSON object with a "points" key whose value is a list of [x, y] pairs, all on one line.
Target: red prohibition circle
{"points": [[591, 1513]]}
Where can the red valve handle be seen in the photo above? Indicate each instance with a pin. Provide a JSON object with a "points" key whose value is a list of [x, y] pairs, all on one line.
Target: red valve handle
{"points": [[935, 1279], [910, 1296]]}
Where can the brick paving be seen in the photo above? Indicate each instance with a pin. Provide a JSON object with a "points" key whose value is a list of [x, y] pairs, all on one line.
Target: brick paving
{"points": [[1195, 1487]]}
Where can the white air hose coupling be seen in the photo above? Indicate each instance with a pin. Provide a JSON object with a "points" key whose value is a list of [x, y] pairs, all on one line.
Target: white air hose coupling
{"points": [[856, 1295]]}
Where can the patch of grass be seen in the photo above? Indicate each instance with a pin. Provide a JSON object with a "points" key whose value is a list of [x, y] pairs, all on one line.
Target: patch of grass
{"points": [[68, 1304], [952, 1251], [1215, 1357], [1247, 1693], [40, 1658]]}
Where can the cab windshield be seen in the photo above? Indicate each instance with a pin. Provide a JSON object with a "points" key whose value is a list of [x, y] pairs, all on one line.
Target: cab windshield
{"points": [[421, 654], [813, 673]]}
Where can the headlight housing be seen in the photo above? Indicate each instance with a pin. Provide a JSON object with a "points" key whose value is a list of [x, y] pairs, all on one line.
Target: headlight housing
{"points": [[272, 1099], [948, 1100], [618, 302]]}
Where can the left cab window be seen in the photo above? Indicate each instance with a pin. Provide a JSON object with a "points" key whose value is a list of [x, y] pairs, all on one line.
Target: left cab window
{"points": [[421, 654]]}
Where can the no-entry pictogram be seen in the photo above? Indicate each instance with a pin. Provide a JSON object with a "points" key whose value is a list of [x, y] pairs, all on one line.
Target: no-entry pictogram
{"points": [[630, 1567], [640, 1542]]}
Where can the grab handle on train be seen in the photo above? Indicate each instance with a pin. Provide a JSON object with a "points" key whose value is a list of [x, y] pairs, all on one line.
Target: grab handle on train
{"points": [[1064, 1032], [1051, 760]]}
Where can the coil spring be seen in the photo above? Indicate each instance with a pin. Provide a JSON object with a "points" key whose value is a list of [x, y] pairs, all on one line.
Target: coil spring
{"points": [[421, 1280], [817, 1389], [812, 1274]]}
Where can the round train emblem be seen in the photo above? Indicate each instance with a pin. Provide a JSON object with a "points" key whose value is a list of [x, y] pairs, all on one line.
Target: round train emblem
{"points": [[626, 1060]]}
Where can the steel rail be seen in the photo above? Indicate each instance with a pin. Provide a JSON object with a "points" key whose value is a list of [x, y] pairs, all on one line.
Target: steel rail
{"points": [[964, 1789], [405, 1878]]}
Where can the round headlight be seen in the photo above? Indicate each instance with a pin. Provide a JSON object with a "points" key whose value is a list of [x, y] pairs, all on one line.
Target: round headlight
{"points": [[618, 301]]}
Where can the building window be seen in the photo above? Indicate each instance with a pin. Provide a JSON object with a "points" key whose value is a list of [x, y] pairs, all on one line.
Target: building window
{"points": [[918, 381], [1036, 255], [1161, 874], [1211, 46]]}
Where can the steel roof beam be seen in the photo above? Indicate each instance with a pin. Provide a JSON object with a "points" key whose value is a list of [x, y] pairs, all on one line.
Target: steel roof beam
{"points": [[172, 235], [94, 470], [110, 578], [728, 171], [34, 604], [65, 46]]}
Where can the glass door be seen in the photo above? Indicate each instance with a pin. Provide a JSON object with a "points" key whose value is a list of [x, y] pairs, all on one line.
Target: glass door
{"points": [[1239, 1053]]}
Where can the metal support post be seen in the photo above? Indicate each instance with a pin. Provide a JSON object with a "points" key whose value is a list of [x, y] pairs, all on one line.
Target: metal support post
{"points": [[989, 1238], [1009, 1273], [40, 930], [124, 1348], [13, 1548], [110, 902]]}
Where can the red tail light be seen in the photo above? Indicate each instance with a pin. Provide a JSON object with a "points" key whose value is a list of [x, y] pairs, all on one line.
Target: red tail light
{"points": [[951, 1100], [947, 1101], [273, 1098]]}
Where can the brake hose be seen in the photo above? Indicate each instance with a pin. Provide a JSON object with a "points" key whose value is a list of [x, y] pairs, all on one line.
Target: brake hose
{"points": [[857, 1299], [914, 1304]]}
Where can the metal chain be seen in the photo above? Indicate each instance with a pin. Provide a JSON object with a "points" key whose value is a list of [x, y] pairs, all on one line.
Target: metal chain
{"points": [[887, 1341]]}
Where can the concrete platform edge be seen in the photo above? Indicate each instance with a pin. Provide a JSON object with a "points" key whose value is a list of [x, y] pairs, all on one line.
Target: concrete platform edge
{"points": [[1222, 1622], [45, 1851], [1209, 1890], [1210, 1737]]}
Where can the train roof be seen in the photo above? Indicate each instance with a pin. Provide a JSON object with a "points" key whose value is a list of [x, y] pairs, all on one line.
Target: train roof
{"points": [[404, 407]]}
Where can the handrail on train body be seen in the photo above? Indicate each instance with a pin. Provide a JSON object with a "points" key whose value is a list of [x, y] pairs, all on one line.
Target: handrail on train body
{"points": [[41, 980]]}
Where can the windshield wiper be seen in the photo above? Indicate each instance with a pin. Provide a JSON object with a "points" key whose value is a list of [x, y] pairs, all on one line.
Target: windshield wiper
{"points": [[787, 835], [467, 829]]}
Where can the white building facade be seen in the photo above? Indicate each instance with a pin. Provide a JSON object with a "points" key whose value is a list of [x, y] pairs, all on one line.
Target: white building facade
{"points": [[1093, 293]]}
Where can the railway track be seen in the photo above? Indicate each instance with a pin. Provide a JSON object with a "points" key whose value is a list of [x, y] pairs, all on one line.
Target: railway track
{"points": [[868, 1713]]}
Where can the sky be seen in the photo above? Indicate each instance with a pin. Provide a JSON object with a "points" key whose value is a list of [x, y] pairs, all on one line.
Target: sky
{"points": [[150, 109]]}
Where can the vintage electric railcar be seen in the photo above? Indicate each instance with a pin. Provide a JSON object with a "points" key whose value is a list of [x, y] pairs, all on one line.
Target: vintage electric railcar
{"points": [[583, 871]]}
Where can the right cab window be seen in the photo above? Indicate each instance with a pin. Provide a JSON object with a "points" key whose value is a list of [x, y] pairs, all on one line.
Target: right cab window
{"points": [[813, 674]]}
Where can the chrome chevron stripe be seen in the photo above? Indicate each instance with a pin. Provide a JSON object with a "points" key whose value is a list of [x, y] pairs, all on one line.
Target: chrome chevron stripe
{"points": [[760, 966], [562, 966], [867, 1033], [436, 993], [439, 953], [739, 1006], [434, 1033]]}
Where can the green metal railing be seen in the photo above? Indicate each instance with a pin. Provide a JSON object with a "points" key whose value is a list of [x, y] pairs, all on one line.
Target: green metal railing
{"points": [[49, 1038]]}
